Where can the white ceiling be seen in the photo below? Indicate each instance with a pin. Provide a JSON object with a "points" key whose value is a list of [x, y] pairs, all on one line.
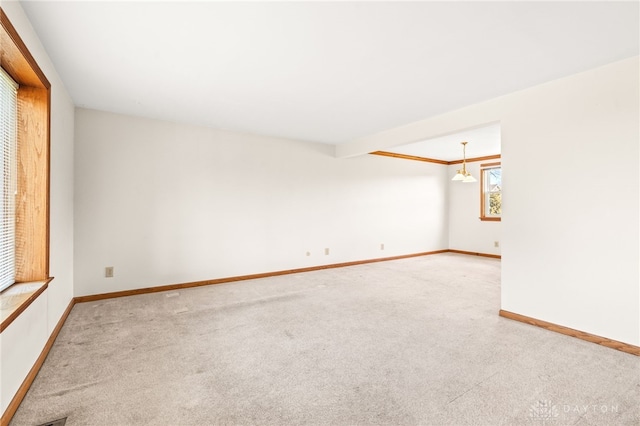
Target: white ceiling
{"points": [[482, 141], [320, 71]]}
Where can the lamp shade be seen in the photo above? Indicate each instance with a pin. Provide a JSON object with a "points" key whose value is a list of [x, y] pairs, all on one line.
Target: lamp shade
{"points": [[458, 176], [469, 178]]}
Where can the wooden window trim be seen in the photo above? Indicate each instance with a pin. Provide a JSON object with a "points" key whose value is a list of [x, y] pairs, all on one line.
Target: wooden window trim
{"points": [[490, 219], [32, 199], [482, 203]]}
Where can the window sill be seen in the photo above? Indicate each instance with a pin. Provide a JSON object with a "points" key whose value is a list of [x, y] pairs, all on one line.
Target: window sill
{"points": [[490, 219], [15, 299]]}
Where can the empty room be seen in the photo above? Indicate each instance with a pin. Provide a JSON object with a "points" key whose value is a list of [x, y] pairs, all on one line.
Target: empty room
{"points": [[291, 212]]}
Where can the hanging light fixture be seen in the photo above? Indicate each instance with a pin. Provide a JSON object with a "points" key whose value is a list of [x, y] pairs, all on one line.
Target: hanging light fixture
{"points": [[462, 174]]}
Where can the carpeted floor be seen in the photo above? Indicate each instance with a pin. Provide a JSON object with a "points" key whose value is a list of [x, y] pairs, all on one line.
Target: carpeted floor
{"points": [[412, 341]]}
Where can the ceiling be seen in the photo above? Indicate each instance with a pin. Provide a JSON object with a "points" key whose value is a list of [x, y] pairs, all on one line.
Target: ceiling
{"points": [[482, 141], [327, 72]]}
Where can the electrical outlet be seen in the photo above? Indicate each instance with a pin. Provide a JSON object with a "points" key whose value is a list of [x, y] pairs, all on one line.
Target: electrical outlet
{"points": [[382, 246], [308, 253], [326, 251], [108, 272], [496, 243]]}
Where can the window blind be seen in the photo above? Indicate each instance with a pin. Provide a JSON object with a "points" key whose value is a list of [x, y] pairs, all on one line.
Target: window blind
{"points": [[8, 161]]}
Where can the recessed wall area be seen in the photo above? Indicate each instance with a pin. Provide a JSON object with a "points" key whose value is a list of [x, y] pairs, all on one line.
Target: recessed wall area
{"points": [[466, 232]]}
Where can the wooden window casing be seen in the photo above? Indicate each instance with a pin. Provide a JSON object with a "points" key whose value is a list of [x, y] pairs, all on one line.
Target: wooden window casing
{"points": [[483, 206], [34, 121]]}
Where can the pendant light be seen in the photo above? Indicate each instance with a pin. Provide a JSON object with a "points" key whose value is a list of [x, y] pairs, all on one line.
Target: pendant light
{"points": [[462, 175]]}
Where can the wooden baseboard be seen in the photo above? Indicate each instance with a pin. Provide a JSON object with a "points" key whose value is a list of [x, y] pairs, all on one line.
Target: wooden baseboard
{"points": [[26, 384], [614, 344], [124, 293], [471, 253]]}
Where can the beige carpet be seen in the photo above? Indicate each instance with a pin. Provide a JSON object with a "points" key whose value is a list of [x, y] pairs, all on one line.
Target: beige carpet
{"points": [[413, 341]]}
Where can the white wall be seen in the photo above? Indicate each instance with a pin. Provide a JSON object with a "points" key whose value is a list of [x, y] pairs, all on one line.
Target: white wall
{"points": [[166, 203], [23, 341], [570, 231], [466, 231]]}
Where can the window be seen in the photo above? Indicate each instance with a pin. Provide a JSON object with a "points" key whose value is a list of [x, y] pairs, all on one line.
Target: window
{"points": [[26, 183], [8, 156], [491, 191]]}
